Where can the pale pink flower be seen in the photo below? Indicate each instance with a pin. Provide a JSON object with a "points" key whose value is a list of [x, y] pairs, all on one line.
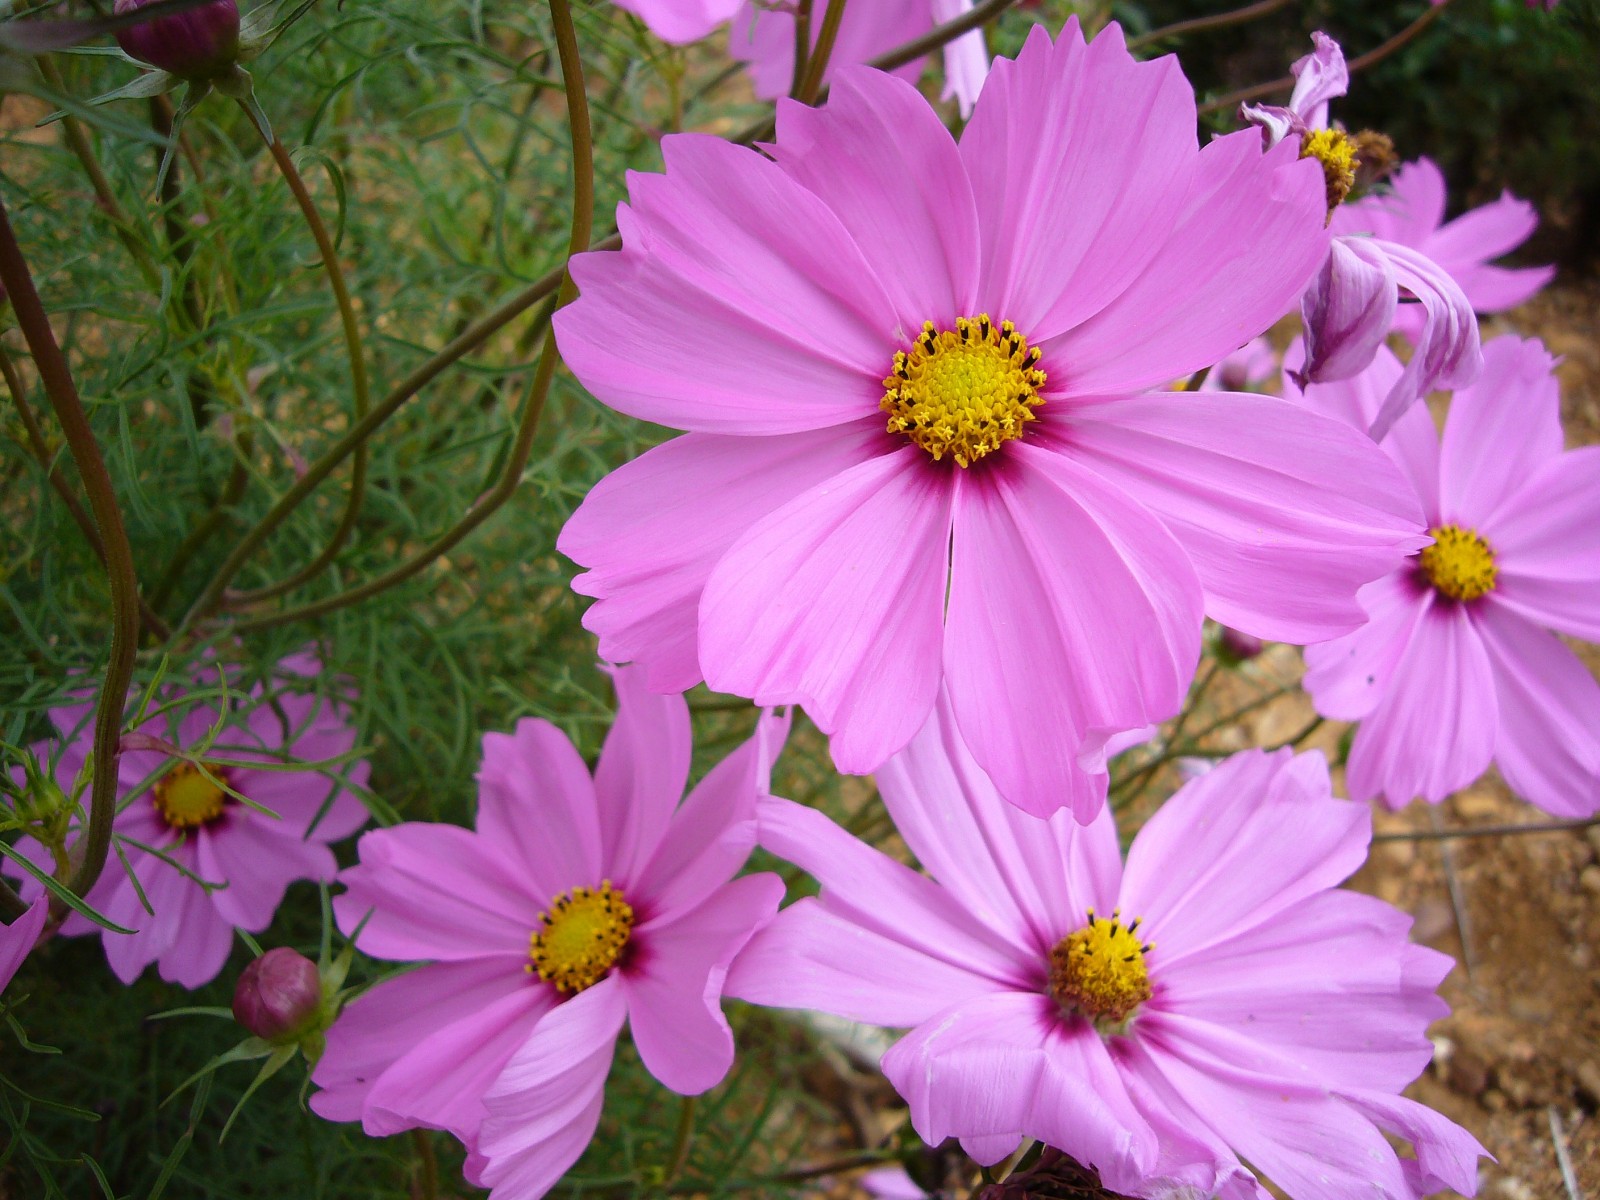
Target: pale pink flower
{"points": [[1411, 213], [681, 21], [763, 37], [19, 937], [174, 778], [1458, 664], [1025, 526], [578, 905], [1218, 1000]]}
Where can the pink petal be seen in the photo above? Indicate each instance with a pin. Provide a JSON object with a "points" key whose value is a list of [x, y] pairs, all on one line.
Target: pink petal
{"points": [[738, 304], [1347, 311], [763, 37], [1492, 289], [1482, 233], [1547, 539], [1283, 513], [641, 774], [537, 809], [200, 936], [1080, 160], [1011, 870], [1548, 742], [882, 160], [1434, 730], [1347, 677], [966, 58], [674, 981], [834, 602], [1072, 610], [1500, 430], [652, 530], [1318, 77], [258, 864], [681, 21], [1409, 213], [1447, 1155], [18, 938]]}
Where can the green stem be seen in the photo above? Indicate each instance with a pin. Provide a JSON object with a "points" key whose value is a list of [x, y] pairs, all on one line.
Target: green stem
{"points": [[202, 395], [60, 387], [1141, 779], [940, 34], [681, 1142], [427, 1165], [802, 43], [806, 88], [208, 525]]}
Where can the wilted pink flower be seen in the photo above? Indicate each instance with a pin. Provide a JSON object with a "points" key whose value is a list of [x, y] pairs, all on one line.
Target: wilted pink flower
{"points": [[18, 938], [578, 905], [278, 994], [763, 36], [681, 21], [198, 43], [1350, 306], [1457, 664], [1220, 1000], [917, 452], [1411, 213], [178, 777]]}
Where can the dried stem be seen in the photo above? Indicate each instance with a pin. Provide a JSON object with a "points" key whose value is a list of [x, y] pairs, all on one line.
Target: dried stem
{"points": [[1436, 834], [936, 37], [1234, 16]]}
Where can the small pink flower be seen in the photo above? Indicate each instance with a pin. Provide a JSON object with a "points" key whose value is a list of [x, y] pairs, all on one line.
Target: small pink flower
{"points": [[1218, 1000], [921, 450], [578, 905], [681, 21], [1457, 665], [19, 937], [176, 805]]}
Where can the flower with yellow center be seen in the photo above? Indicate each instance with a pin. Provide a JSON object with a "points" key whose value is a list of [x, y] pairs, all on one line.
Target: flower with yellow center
{"points": [[1337, 154], [581, 936], [963, 392], [190, 795], [1099, 971], [1459, 564]]}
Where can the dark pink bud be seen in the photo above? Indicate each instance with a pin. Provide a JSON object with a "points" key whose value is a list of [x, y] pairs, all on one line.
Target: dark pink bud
{"points": [[200, 43], [278, 995], [1239, 647]]}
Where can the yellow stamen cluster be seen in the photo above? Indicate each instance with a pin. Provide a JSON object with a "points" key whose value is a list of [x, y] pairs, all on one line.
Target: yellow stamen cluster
{"points": [[581, 936], [1099, 971], [187, 797], [963, 392], [1459, 563], [1337, 154]]}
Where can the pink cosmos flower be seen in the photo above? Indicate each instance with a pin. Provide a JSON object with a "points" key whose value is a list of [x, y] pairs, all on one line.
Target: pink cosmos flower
{"points": [[1457, 665], [681, 21], [1411, 213], [763, 36], [1217, 1000], [578, 905], [19, 937], [917, 452], [178, 776], [1350, 306]]}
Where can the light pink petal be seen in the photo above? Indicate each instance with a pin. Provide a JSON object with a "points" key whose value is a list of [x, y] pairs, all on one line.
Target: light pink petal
{"points": [[1493, 289], [1012, 871], [966, 58], [834, 602], [1500, 430], [1073, 611], [681, 21], [674, 980], [641, 774], [1446, 1154], [258, 863], [1252, 230], [1347, 311], [1191, 1155], [545, 1105], [652, 530], [763, 36], [1237, 846], [1010, 1063], [1408, 213], [200, 936], [712, 834], [1548, 742], [738, 303], [881, 159], [1485, 232], [892, 1183], [18, 938], [1434, 730], [388, 1022], [1347, 677], [1318, 77], [1547, 539], [1081, 161], [436, 891], [1284, 514], [537, 809]]}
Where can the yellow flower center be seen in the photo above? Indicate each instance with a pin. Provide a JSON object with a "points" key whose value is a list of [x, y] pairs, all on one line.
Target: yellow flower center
{"points": [[580, 937], [963, 391], [1337, 154], [1099, 971], [187, 796], [1459, 563]]}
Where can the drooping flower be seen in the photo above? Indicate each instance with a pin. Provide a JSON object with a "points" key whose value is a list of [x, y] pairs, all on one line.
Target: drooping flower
{"points": [[763, 36], [1458, 664], [1218, 1000], [1350, 306], [916, 453], [578, 905], [681, 21], [18, 938], [199, 43], [205, 861], [1411, 213]]}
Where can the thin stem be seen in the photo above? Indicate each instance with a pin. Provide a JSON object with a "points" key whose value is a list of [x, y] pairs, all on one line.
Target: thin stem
{"points": [[1234, 16], [179, 243], [427, 1165], [56, 376], [802, 43], [1141, 779], [208, 525], [358, 371], [41, 452], [1436, 835], [940, 34], [806, 87], [682, 1140], [544, 373]]}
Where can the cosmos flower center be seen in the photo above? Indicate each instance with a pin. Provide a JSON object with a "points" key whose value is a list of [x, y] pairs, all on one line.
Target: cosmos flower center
{"points": [[188, 796], [1459, 563], [1099, 971], [580, 937], [963, 392], [1334, 149]]}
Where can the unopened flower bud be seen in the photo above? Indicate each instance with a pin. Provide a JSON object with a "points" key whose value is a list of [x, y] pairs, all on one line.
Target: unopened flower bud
{"points": [[200, 43], [278, 995], [1238, 647]]}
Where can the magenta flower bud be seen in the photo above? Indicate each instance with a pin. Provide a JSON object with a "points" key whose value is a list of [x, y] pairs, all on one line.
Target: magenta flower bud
{"points": [[278, 994], [198, 44]]}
